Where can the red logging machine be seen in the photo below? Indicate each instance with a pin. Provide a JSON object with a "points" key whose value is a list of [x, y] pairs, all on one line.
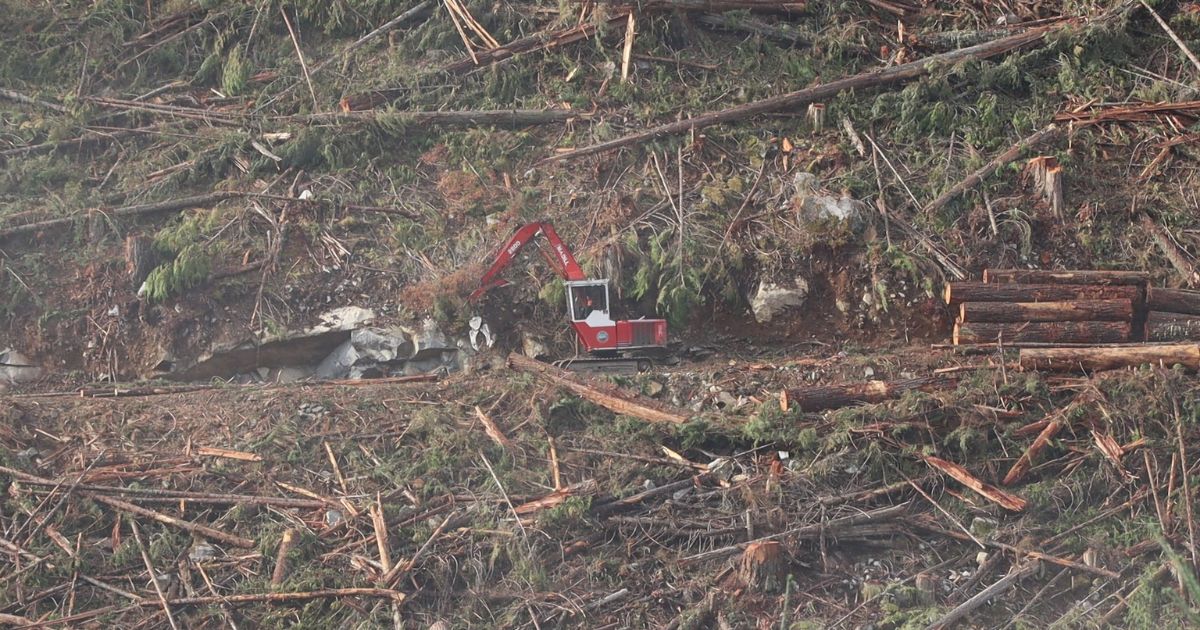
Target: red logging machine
{"points": [[615, 346]]}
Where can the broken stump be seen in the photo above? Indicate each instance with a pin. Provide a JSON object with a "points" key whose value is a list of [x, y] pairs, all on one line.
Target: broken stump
{"points": [[763, 566]]}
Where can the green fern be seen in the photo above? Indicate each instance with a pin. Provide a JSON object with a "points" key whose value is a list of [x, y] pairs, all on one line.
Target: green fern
{"points": [[190, 268]]}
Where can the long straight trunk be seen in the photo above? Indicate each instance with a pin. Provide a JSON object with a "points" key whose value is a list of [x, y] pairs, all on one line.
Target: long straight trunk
{"points": [[836, 396], [1077, 311], [1089, 359], [878, 77], [1172, 327], [1043, 276], [1053, 332], [959, 292], [1173, 301]]}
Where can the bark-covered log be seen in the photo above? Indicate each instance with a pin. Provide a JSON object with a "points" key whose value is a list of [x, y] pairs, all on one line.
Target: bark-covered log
{"points": [[1047, 332], [605, 396], [1046, 276], [1020, 312], [836, 396], [1172, 327], [1092, 359], [1173, 300], [959, 292]]}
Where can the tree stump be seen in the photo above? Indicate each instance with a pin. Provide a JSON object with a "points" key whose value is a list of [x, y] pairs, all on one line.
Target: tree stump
{"points": [[763, 566], [139, 258], [816, 116], [1048, 177]]}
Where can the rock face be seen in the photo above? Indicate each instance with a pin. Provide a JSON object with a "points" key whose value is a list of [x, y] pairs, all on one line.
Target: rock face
{"points": [[364, 354], [533, 347], [16, 368], [773, 299], [429, 342]]}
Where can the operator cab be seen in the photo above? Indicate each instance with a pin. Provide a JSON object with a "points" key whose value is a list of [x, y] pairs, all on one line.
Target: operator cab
{"points": [[587, 297]]}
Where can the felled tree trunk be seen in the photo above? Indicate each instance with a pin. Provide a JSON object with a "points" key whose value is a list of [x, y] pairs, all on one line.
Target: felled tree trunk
{"points": [[835, 396], [1173, 301], [959, 292], [1082, 310], [1172, 327], [1043, 276], [1093, 359], [1042, 332]]}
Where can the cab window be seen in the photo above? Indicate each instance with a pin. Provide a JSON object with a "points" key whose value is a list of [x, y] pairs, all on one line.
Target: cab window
{"points": [[586, 299]]}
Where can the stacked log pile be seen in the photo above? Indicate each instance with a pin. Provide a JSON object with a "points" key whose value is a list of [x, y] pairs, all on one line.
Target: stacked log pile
{"points": [[1031, 306], [1078, 320]]}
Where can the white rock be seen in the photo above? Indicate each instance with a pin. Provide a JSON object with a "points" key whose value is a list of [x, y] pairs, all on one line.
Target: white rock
{"points": [[772, 299], [16, 368]]}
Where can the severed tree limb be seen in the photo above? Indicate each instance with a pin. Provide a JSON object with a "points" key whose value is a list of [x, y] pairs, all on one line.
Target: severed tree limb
{"points": [[611, 399], [18, 97], [282, 598], [1172, 252], [195, 528], [779, 32], [416, 10], [1004, 499], [1171, 33], [828, 528], [172, 496], [1044, 135], [877, 78], [196, 201], [500, 117], [1005, 583], [538, 41]]}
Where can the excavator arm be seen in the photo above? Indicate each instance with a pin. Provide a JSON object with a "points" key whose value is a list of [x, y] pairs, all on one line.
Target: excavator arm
{"points": [[560, 257]]}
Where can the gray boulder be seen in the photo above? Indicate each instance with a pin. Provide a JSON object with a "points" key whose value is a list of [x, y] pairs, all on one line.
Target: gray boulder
{"points": [[773, 299], [16, 368]]}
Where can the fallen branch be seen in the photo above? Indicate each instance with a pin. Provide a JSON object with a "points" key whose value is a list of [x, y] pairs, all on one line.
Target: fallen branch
{"points": [[498, 117], [778, 32], [18, 97], [540, 41], [975, 178], [185, 203], [282, 598], [195, 528], [1172, 252], [609, 398], [793, 100], [1004, 499], [1015, 575], [169, 496], [1146, 112], [1025, 461], [828, 529]]}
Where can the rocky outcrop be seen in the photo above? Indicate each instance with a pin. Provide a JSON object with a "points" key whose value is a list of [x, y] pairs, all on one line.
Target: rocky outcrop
{"points": [[774, 298]]}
